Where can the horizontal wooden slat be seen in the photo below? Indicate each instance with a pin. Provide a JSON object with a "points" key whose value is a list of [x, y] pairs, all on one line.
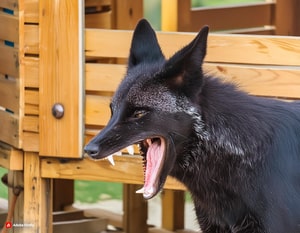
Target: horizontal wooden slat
{"points": [[262, 50], [103, 77], [10, 94], [9, 25], [31, 124], [10, 158], [99, 20], [233, 17], [9, 128], [90, 3], [31, 11], [31, 39], [128, 169], [31, 71], [10, 57], [279, 81], [97, 110], [30, 141], [261, 81], [31, 102], [9, 4]]}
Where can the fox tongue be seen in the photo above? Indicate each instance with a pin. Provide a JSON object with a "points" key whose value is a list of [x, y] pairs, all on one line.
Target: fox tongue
{"points": [[155, 156]]}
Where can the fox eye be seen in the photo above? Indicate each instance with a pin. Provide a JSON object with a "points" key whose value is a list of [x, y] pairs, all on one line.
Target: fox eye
{"points": [[139, 113]]}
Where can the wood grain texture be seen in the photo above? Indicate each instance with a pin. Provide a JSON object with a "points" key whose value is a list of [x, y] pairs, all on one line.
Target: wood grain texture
{"points": [[128, 169], [10, 158], [10, 4], [31, 11], [262, 50], [9, 25], [9, 89], [60, 78], [9, 128], [10, 57]]}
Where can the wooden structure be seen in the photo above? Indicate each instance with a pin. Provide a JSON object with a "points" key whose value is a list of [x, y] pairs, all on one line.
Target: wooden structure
{"points": [[42, 64], [273, 17]]}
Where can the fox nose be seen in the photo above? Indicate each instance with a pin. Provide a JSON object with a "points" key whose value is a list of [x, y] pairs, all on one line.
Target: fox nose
{"points": [[91, 149]]}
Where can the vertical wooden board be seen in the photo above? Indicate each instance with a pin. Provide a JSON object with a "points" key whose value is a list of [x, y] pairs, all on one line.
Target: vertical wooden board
{"points": [[9, 25], [37, 196], [127, 13], [60, 78], [31, 71]]}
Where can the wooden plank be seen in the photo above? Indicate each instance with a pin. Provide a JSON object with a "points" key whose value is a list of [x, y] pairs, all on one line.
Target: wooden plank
{"points": [[30, 141], [37, 196], [9, 25], [60, 74], [135, 210], [97, 110], [31, 39], [128, 169], [99, 20], [233, 17], [264, 50], [9, 128], [31, 71], [287, 17], [10, 94], [10, 4], [255, 79], [127, 13], [173, 209], [169, 17], [78, 226], [103, 77], [31, 11], [31, 124], [260, 81], [91, 3], [10, 158], [10, 57]]}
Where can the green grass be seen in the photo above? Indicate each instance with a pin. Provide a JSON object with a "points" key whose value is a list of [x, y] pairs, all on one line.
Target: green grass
{"points": [[198, 3], [3, 188], [93, 191]]}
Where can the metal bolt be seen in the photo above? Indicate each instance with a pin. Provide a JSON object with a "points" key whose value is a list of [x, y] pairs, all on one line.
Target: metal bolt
{"points": [[58, 111]]}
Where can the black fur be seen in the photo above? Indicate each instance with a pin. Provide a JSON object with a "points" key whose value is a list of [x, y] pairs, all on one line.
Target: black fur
{"points": [[238, 155]]}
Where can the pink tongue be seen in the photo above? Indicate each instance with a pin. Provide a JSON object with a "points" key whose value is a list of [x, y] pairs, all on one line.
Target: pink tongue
{"points": [[154, 159]]}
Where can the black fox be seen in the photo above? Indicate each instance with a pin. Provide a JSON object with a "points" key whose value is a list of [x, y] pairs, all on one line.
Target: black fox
{"points": [[238, 155]]}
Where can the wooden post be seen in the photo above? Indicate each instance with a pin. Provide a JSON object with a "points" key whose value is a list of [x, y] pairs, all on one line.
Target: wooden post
{"points": [[169, 9], [126, 13], [172, 209], [287, 17], [61, 78], [135, 210], [37, 197]]}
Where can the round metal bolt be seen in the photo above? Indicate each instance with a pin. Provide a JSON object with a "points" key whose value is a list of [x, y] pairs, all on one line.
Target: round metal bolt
{"points": [[58, 111]]}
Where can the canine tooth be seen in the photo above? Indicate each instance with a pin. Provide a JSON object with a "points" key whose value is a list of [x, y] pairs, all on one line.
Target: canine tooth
{"points": [[110, 158], [149, 141], [140, 190], [130, 150]]}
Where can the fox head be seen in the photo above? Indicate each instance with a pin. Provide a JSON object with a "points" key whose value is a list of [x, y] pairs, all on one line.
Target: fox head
{"points": [[155, 106]]}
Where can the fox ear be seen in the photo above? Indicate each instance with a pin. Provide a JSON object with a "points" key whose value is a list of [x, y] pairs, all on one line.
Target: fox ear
{"points": [[144, 45], [183, 70]]}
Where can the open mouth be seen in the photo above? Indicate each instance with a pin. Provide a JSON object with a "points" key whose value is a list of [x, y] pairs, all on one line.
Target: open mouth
{"points": [[153, 152]]}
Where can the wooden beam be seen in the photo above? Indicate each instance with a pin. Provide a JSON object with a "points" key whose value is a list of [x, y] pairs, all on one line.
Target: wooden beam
{"points": [[128, 169], [61, 79], [287, 17], [173, 209], [37, 196], [135, 210]]}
